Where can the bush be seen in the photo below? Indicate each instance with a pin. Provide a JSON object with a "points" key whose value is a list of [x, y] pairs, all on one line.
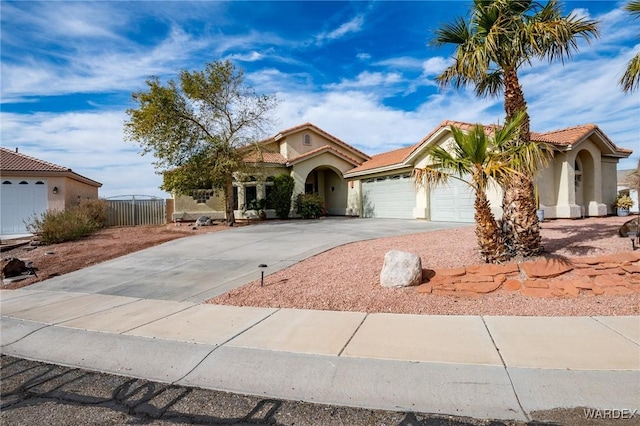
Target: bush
{"points": [[309, 206], [96, 209], [57, 226], [281, 195]]}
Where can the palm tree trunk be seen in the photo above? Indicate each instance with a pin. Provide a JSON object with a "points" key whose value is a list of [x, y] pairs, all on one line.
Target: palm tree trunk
{"points": [[489, 235], [520, 221]]}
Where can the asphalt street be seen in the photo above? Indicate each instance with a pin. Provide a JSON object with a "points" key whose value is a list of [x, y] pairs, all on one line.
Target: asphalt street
{"points": [[35, 393]]}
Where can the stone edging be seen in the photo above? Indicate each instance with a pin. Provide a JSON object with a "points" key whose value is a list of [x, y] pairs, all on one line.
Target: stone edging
{"points": [[612, 275]]}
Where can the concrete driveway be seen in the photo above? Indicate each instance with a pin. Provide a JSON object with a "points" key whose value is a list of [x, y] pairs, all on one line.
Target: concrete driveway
{"points": [[198, 268]]}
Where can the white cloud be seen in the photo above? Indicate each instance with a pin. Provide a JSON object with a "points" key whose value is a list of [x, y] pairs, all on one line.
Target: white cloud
{"points": [[367, 79], [434, 66], [352, 26], [363, 56]]}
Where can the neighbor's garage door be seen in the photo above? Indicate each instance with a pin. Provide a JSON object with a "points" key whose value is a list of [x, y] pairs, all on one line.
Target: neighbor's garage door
{"points": [[389, 197], [20, 199], [452, 202]]}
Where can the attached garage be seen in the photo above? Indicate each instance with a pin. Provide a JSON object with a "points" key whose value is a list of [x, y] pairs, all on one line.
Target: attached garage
{"points": [[21, 199], [391, 196], [452, 202]]}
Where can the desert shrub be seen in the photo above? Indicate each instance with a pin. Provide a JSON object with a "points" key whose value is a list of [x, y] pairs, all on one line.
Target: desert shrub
{"points": [[309, 206], [96, 209], [57, 226], [281, 195]]}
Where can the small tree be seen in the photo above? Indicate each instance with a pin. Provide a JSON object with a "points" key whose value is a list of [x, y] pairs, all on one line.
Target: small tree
{"points": [[630, 81], [200, 128], [281, 194]]}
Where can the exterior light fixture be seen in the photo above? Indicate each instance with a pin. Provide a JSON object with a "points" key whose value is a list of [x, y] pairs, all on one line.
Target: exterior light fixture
{"points": [[55, 189], [262, 267]]}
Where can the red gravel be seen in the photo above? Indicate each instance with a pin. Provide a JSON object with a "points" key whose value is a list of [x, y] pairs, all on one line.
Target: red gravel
{"points": [[347, 278]]}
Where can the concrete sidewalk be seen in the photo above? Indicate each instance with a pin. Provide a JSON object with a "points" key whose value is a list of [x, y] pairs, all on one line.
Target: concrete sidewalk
{"points": [[482, 367]]}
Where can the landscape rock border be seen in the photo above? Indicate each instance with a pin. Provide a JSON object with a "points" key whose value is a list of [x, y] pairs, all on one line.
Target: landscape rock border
{"points": [[610, 275]]}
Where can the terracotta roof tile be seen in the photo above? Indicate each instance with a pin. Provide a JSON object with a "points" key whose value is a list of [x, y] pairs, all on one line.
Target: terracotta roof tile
{"points": [[267, 157], [385, 159], [562, 137], [317, 129], [321, 150], [17, 162]]}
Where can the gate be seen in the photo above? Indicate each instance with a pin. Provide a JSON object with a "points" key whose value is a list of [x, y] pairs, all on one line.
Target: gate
{"points": [[132, 210]]}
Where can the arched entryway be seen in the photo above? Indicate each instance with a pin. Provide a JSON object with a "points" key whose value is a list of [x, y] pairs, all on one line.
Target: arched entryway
{"points": [[328, 182], [584, 181]]}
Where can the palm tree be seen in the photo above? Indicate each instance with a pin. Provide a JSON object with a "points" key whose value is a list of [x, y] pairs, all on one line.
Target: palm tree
{"points": [[631, 78], [500, 37], [477, 159]]}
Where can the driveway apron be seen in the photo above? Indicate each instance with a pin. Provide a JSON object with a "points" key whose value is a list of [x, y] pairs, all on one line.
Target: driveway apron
{"points": [[198, 268]]}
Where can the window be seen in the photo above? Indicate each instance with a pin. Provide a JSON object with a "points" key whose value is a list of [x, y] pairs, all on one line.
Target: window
{"points": [[39, 183], [6, 182], [201, 196], [307, 139], [235, 198], [24, 182], [250, 195]]}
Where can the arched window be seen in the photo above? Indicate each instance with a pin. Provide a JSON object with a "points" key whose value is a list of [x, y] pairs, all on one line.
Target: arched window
{"points": [[7, 182], [24, 182], [307, 139], [577, 173]]}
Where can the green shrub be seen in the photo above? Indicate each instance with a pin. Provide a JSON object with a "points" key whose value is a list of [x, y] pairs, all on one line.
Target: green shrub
{"points": [[281, 195], [57, 226], [309, 206], [96, 209]]}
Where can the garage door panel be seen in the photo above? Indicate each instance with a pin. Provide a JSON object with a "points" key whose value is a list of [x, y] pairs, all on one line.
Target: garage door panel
{"points": [[389, 198], [452, 202], [19, 202]]}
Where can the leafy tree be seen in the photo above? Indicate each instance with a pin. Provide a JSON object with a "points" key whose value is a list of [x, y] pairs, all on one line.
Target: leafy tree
{"points": [[281, 194], [631, 78], [478, 159], [200, 128], [500, 37]]}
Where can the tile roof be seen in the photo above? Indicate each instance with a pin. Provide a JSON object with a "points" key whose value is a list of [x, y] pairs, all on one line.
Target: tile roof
{"points": [[561, 138], [267, 157], [11, 161], [318, 130], [17, 162], [325, 148], [390, 158]]}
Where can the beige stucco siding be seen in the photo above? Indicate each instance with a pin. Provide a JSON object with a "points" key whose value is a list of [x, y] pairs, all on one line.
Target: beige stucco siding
{"points": [[295, 144], [188, 208], [609, 182]]}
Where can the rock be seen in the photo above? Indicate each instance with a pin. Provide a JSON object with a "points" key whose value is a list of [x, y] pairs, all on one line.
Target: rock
{"points": [[203, 221], [488, 269], [631, 225], [536, 284], [512, 285], [12, 267], [401, 269], [546, 268], [453, 272]]}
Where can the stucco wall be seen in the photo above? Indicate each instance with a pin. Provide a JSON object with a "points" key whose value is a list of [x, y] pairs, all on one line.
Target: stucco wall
{"points": [[188, 208], [610, 183]]}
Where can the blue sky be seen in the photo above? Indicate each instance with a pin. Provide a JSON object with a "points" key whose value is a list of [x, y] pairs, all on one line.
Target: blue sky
{"points": [[363, 71]]}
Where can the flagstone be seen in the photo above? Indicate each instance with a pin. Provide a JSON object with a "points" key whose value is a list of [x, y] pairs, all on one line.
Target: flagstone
{"points": [[546, 268], [425, 288], [536, 284], [476, 279], [488, 269], [618, 291], [453, 272], [603, 281], [478, 287], [632, 269], [597, 290], [512, 285]]}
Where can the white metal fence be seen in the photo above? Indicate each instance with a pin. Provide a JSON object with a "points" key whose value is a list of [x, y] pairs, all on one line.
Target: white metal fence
{"points": [[132, 210]]}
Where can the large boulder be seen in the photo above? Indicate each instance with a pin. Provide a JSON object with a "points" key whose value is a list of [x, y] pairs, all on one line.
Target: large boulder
{"points": [[401, 269], [12, 267]]}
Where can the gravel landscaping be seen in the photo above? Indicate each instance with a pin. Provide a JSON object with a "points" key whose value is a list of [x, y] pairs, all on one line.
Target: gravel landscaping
{"points": [[347, 278]]}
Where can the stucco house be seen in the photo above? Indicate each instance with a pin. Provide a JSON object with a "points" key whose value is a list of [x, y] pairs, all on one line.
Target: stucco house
{"points": [[580, 181], [315, 159], [31, 186]]}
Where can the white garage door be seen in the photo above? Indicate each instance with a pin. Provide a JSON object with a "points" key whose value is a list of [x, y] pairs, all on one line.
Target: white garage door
{"points": [[452, 202], [20, 199], [389, 197]]}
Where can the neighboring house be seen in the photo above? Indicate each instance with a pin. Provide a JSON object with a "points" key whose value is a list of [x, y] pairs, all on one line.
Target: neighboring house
{"points": [[580, 181], [623, 187], [30, 187]]}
